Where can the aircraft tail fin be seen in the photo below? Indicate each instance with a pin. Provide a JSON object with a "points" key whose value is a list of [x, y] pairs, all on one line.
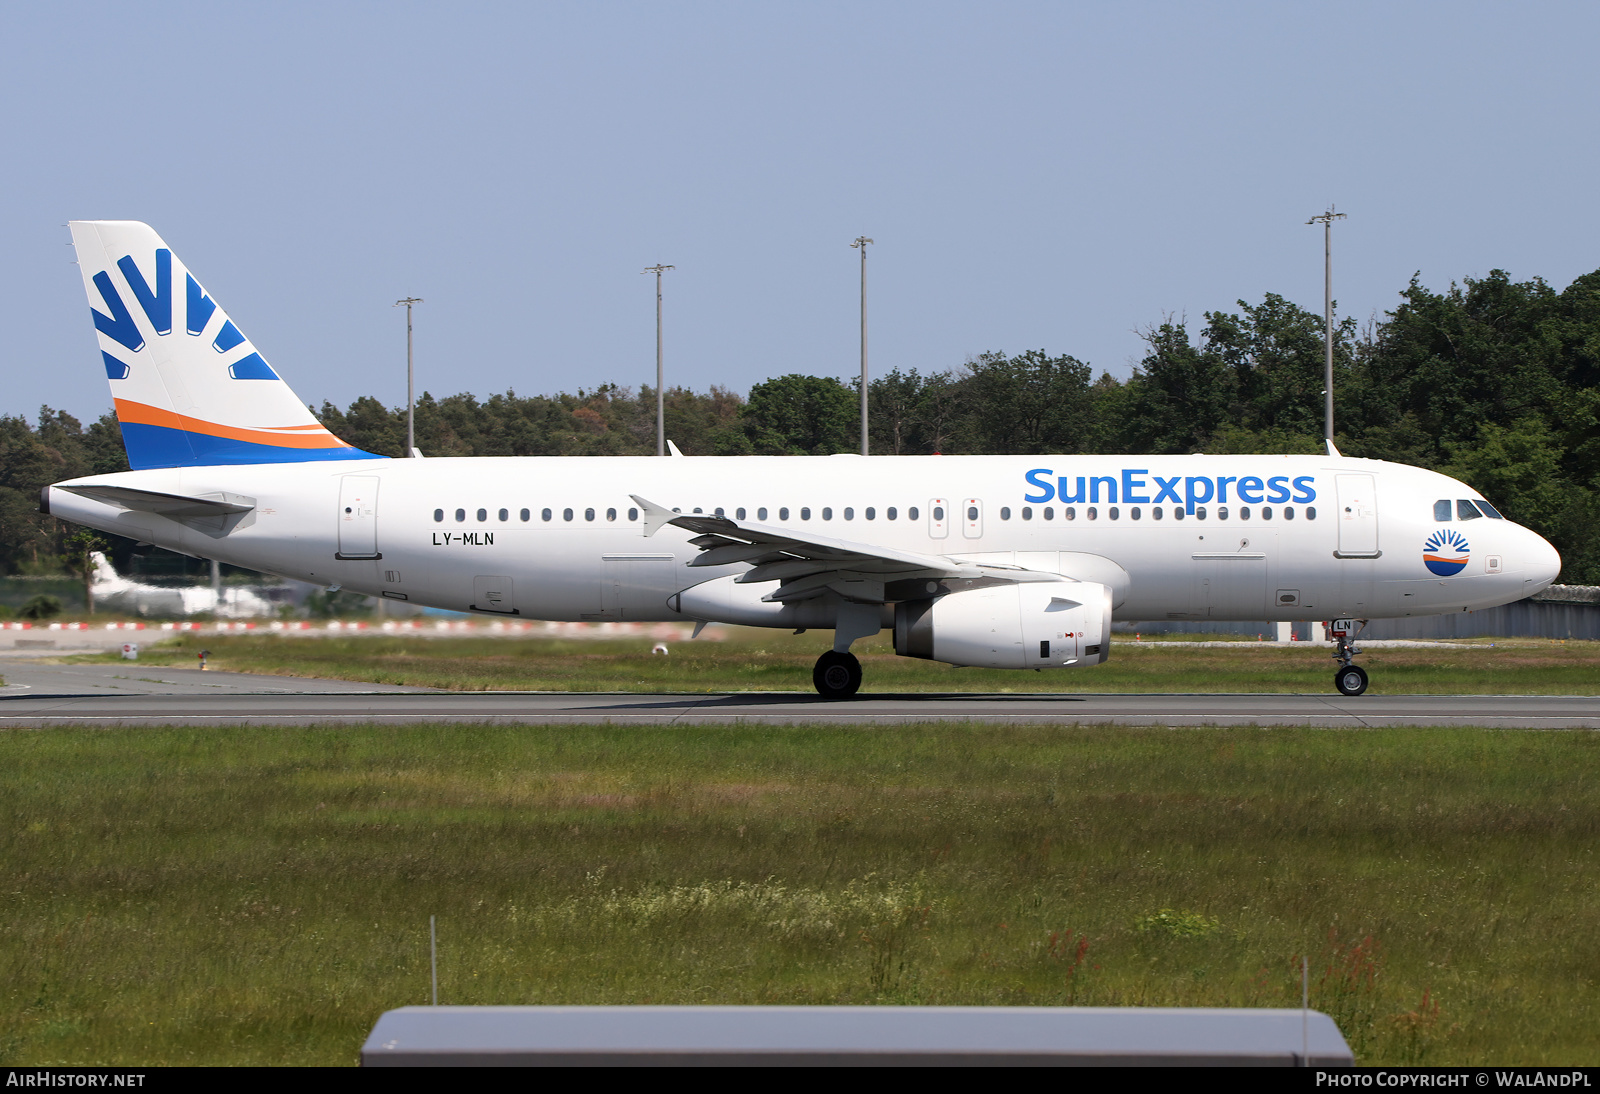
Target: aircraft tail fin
{"points": [[189, 388]]}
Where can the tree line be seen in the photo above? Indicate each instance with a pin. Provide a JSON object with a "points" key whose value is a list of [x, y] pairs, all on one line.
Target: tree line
{"points": [[1493, 381]]}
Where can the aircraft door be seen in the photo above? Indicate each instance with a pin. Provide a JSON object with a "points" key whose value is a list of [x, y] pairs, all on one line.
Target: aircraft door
{"points": [[358, 517], [972, 518], [1358, 516], [939, 517]]}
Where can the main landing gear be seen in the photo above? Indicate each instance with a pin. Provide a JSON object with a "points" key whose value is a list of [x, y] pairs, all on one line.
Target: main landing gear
{"points": [[1350, 678], [838, 675]]}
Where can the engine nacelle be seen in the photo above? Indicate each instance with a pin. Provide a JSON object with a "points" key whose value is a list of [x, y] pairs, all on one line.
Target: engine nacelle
{"points": [[1036, 625]]}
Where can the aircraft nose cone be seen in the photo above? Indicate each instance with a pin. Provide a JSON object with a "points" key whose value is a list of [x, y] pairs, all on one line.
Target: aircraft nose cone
{"points": [[1543, 565]]}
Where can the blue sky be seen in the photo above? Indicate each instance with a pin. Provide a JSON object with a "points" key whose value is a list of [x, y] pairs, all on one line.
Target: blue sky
{"points": [[1035, 175]]}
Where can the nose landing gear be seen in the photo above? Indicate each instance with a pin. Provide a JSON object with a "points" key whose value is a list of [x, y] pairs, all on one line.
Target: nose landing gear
{"points": [[1349, 679]]}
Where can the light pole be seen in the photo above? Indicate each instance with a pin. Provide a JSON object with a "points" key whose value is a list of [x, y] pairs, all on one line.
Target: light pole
{"points": [[1326, 220], [411, 387], [661, 396], [861, 244]]}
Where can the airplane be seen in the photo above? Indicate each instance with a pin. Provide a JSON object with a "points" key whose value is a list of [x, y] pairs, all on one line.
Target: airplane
{"points": [[116, 593], [1016, 562]]}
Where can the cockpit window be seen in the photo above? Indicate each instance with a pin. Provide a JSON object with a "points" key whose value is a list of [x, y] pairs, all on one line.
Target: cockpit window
{"points": [[1488, 510], [1441, 509], [1465, 510]]}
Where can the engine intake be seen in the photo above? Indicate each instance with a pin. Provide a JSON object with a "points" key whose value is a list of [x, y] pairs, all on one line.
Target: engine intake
{"points": [[1037, 625]]}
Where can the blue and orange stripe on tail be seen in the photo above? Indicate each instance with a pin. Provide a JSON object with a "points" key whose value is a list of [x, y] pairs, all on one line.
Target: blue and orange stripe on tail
{"points": [[160, 438]]}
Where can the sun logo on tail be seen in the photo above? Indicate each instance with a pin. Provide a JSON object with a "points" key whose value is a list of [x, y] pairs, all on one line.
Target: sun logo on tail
{"points": [[157, 305], [1445, 552]]}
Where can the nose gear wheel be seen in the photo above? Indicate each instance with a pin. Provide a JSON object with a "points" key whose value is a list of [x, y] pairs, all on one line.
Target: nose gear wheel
{"points": [[1350, 679]]}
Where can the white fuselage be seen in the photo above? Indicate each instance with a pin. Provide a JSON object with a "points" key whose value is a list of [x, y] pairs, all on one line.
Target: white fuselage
{"points": [[1236, 537]]}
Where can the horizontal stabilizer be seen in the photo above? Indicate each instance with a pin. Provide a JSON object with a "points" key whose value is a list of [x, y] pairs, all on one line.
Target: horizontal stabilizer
{"points": [[175, 506]]}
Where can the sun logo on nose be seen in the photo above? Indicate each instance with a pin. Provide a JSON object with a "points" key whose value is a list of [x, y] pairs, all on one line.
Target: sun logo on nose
{"points": [[1445, 552]]}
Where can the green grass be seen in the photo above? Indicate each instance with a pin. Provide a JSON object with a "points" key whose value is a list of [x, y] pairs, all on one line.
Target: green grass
{"points": [[778, 661], [193, 895]]}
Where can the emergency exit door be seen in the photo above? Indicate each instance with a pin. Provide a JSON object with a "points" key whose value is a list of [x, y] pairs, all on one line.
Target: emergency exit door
{"points": [[358, 517]]}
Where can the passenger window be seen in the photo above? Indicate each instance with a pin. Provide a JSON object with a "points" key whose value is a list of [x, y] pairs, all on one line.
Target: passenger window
{"points": [[1113, 513], [972, 512], [611, 514], [1311, 512], [588, 514], [1244, 512], [1200, 512], [1005, 513], [461, 515], [1134, 512], [1288, 512], [1489, 510], [783, 514], [1465, 510], [911, 514], [526, 516], [1156, 512], [633, 514], [483, 515], [849, 514], [566, 514], [545, 514], [1177, 512], [1027, 512], [505, 514], [1266, 512], [1222, 512], [872, 514], [1050, 513], [1069, 513], [718, 512], [738, 514], [805, 513], [1092, 513], [761, 514], [438, 516], [891, 513], [1441, 509], [938, 512]]}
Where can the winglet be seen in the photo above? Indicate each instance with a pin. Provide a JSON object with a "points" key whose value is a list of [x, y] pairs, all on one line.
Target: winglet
{"points": [[673, 449], [656, 517], [1332, 451]]}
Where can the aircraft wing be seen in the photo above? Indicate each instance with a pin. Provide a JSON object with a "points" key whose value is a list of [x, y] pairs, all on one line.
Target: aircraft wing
{"points": [[806, 565]]}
